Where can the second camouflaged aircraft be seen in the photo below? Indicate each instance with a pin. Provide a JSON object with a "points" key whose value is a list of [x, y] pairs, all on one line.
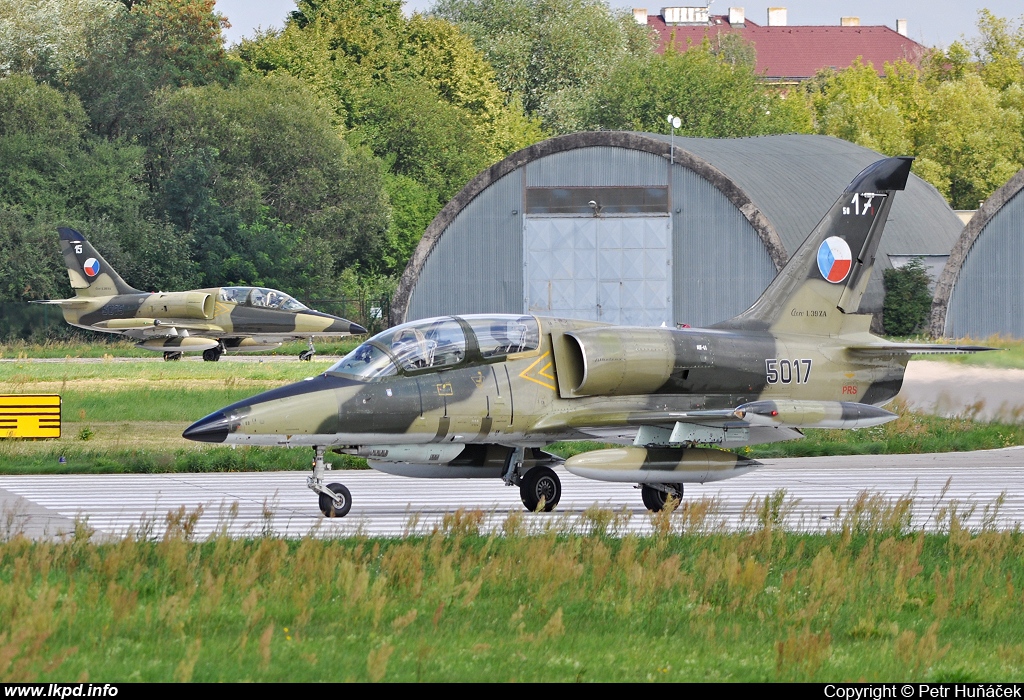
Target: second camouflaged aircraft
{"points": [[481, 395], [210, 321]]}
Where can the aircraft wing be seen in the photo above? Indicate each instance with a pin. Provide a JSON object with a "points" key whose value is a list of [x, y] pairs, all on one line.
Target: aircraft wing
{"points": [[751, 423], [893, 349]]}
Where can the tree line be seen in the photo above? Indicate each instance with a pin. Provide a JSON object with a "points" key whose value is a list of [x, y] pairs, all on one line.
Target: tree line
{"points": [[312, 158]]}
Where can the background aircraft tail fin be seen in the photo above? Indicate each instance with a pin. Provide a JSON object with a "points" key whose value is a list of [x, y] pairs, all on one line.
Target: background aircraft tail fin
{"points": [[90, 274], [824, 281]]}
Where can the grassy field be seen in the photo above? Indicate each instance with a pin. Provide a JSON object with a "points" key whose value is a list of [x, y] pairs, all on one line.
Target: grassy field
{"points": [[872, 601]]}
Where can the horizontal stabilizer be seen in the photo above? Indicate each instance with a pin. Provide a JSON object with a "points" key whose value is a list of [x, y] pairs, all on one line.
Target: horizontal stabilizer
{"points": [[63, 303]]}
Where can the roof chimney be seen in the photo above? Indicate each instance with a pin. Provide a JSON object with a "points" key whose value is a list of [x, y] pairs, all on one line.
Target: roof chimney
{"points": [[776, 16], [849, 21], [736, 17], [640, 15], [901, 27]]}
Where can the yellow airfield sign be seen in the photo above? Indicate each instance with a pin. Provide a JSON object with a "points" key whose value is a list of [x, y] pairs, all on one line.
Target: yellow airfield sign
{"points": [[29, 416]]}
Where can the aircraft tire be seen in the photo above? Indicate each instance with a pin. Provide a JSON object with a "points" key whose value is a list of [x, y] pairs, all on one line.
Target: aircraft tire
{"points": [[211, 355], [331, 508], [540, 483], [305, 356], [172, 356], [655, 499]]}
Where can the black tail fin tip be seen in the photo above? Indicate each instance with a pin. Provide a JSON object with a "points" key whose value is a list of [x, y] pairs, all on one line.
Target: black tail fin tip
{"points": [[883, 175], [70, 234]]}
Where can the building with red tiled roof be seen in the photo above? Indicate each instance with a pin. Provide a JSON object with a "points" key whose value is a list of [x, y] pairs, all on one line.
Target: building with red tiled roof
{"points": [[786, 53]]}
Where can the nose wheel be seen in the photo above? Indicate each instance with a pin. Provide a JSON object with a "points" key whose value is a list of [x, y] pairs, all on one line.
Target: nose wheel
{"points": [[307, 355], [336, 506], [335, 499]]}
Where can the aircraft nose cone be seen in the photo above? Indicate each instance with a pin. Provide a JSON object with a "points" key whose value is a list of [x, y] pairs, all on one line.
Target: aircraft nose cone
{"points": [[342, 325], [213, 428]]}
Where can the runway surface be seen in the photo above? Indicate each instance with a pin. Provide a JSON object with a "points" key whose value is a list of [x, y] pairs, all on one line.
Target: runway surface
{"points": [[818, 492]]}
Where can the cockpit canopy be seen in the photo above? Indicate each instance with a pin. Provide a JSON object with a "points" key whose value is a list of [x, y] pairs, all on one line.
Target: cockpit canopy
{"points": [[440, 343], [261, 297]]}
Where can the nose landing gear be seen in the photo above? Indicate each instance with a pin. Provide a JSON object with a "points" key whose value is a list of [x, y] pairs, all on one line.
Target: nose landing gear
{"points": [[335, 499]]}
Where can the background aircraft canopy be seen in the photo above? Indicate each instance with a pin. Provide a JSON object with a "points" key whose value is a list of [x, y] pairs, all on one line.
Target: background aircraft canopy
{"points": [[439, 343], [261, 297]]}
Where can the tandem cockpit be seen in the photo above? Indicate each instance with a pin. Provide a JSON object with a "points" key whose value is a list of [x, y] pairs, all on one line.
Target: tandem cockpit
{"points": [[261, 297], [437, 344]]}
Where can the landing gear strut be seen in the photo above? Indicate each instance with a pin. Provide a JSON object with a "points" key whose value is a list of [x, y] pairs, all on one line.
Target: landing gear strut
{"points": [[307, 355], [656, 495], [335, 499], [172, 356]]}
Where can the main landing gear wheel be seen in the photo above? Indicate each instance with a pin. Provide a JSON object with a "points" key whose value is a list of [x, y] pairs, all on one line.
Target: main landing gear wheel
{"points": [[172, 356], [212, 355], [540, 484], [655, 498], [337, 507]]}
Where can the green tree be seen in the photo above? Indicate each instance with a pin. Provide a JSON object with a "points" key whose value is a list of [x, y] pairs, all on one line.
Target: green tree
{"points": [[713, 97], [908, 302], [262, 156], [56, 173], [423, 138], [968, 143], [548, 54], [154, 44], [46, 38]]}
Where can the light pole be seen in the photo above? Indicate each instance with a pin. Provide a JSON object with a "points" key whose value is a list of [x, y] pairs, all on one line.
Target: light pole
{"points": [[674, 122]]}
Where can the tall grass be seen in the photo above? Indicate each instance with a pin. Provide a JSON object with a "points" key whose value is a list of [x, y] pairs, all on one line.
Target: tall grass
{"points": [[544, 599]]}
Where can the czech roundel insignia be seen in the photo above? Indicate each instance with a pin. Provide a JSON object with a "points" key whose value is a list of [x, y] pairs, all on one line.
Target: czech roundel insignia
{"points": [[834, 259], [92, 266]]}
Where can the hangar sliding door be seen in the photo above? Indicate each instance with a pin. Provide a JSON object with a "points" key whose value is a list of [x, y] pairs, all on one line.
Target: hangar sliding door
{"points": [[612, 269]]}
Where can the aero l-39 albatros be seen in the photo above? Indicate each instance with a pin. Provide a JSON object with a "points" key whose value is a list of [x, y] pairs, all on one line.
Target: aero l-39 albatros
{"points": [[481, 395], [211, 321]]}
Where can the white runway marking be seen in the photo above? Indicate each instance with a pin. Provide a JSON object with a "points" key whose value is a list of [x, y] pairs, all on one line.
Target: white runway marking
{"points": [[384, 505]]}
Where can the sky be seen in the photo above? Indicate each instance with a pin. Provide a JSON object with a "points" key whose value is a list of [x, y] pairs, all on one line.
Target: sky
{"points": [[928, 22]]}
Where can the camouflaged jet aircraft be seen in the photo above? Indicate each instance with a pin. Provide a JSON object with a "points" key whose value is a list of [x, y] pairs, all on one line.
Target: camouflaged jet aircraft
{"points": [[211, 321], [479, 396]]}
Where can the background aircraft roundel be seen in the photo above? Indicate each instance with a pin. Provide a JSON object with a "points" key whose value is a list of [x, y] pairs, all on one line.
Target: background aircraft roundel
{"points": [[211, 321]]}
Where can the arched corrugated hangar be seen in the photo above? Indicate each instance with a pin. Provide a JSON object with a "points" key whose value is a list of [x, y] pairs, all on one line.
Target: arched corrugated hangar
{"points": [[979, 292], [624, 228]]}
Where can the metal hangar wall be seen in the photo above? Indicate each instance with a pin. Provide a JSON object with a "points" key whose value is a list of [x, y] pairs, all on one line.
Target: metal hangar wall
{"points": [[644, 229], [979, 292]]}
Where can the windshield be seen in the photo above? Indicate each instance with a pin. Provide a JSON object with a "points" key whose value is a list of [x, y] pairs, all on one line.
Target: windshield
{"points": [[367, 361]]}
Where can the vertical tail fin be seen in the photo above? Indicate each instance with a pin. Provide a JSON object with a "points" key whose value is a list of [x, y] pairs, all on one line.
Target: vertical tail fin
{"points": [[825, 279], [90, 274]]}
